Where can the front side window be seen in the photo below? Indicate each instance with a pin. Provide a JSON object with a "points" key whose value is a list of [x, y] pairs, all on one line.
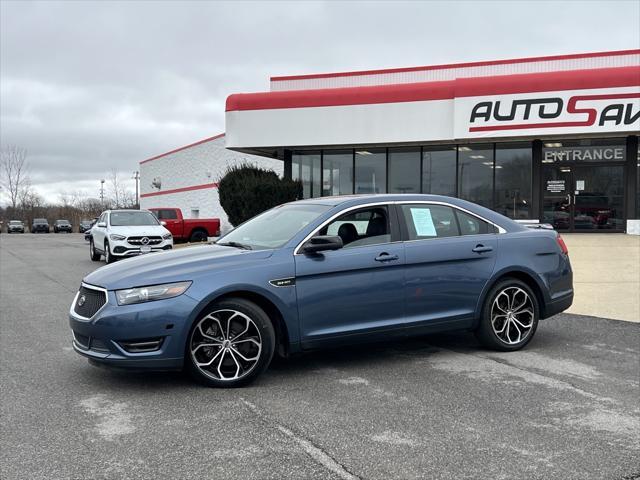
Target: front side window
{"points": [[429, 221], [369, 226], [132, 218], [273, 228]]}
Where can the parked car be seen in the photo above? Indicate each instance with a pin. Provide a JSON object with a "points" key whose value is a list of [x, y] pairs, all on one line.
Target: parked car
{"points": [[85, 225], [193, 230], [87, 232], [62, 226], [324, 272], [15, 226], [126, 233], [40, 225]]}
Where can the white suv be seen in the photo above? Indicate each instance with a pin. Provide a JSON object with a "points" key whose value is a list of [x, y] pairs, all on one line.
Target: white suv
{"points": [[125, 233]]}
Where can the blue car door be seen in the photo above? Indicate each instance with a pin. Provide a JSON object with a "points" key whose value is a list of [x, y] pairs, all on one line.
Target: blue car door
{"points": [[357, 289], [450, 256]]}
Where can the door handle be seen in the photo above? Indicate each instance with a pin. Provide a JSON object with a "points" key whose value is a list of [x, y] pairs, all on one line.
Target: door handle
{"points": [[481, 249], [385, 257]]}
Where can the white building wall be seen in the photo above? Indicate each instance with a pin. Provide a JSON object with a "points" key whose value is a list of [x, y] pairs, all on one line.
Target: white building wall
{"points": [[195, 171]]}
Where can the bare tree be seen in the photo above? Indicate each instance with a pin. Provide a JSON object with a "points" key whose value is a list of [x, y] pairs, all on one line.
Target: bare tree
{"points": [[13, 168], [116, 187]]}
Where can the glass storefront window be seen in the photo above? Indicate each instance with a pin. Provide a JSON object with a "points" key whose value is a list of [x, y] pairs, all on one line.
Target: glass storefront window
{"points": [[371, 171], [638, 181], [404, 170], [584, 150], [513, 180], [337, 172], [439, 170], [475, 174], [305, 166]]}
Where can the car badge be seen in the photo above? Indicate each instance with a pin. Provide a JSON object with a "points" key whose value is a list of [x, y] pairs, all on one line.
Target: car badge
{"points": [[82, 300], [144, 240]]}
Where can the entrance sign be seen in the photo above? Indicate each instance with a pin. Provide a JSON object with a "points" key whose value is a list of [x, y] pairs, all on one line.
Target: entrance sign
{"points": [[583, 154]]}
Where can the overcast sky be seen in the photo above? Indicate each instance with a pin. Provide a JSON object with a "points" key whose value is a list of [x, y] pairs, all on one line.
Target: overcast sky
{"points": [[90, 86]]}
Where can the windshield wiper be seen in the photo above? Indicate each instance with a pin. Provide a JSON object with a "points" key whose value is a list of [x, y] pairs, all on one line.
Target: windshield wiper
{"points": [[243, 246]]}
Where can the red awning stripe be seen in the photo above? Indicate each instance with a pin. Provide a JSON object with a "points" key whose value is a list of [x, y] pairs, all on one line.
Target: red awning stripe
{"points": [[414, 92], [178, 190]]}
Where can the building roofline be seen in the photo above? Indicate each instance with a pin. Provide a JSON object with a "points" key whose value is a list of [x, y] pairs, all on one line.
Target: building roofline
{"points": [[444, 90], [457, 65], [215, 137]]}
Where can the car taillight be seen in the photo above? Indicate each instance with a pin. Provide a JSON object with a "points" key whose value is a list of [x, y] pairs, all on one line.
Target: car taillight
{"points": [[562, 245]]}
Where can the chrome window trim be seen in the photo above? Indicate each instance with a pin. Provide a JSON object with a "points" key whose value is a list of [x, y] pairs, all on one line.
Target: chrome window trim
{"points": [[75, 299], [501, 230]]}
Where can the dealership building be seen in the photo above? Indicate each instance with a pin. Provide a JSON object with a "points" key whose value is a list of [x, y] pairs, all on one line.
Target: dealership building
{"points": [[553, 138], [187, 178]]}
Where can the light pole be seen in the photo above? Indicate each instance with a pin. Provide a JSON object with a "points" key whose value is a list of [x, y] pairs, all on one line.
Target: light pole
{"points": [[102, 192], [136, 177]]}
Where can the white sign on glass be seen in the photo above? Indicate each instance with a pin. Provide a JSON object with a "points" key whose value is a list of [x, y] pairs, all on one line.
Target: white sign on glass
{"points": [[423, 222]]}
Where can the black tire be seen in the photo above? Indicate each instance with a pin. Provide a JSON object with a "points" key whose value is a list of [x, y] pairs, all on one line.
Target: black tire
{"points": [[198, 236], [267, 338], [93, 254], [108, 258], [487, 334]]}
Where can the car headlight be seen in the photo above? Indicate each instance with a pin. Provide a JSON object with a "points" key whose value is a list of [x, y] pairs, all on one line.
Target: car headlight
{"points": [[166, 236], [149, 294], [116, 237]]}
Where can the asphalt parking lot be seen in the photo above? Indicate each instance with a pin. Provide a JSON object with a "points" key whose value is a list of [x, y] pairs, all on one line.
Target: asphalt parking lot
{"points": [[436, 407]]}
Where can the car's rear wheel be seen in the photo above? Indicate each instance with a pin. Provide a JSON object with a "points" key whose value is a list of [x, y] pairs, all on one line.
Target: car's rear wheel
{"points": [[509, 316], [95, 256], [230, 344], [198, 236]]}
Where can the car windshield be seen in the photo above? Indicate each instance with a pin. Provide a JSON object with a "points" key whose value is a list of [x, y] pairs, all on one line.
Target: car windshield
{"points": [[62, 222], [273, 228], [40, 220], [133, 218], [15, 222]]}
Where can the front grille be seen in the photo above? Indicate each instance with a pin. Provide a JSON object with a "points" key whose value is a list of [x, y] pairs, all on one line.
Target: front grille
{"points": [[139, 240], [89, 301]]}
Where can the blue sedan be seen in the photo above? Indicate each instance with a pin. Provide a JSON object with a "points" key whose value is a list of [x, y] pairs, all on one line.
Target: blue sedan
{"points": [[323, 272]]}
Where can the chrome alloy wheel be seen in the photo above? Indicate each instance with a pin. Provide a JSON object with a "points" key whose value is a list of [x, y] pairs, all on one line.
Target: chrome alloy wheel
{"points": [[225, 345], [512, 315]]}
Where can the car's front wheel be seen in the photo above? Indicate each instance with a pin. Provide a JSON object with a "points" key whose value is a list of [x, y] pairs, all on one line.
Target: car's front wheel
{"points": [[509, 316], [95, 256], [230, 344], [108, 257]]}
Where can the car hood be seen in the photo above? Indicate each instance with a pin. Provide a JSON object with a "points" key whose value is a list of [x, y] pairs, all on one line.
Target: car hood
{"points": [[172, 266], [139, 230]]}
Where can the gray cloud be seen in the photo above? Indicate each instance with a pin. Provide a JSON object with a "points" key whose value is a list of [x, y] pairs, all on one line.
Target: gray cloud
{"points": [[91, 86]]}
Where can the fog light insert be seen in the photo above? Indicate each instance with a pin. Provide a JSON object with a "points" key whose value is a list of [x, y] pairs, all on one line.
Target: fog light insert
{"points": [[142, 345]]}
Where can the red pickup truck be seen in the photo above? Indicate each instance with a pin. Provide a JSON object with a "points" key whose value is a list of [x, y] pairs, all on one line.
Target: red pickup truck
{"points": [[193, 230]]}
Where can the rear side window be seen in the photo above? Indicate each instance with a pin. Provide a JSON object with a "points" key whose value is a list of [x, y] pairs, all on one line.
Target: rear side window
{"points": [[166, 214], [470, 225], [429, 221]]}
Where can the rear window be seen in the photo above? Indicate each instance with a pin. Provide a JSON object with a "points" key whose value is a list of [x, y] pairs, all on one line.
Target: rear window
{"points": [[438, 221], [166, 214]]}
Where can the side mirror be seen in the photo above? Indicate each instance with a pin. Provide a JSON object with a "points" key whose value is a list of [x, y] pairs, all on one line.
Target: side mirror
{"points": [[101, 224], [163, 223], [322, 243]]}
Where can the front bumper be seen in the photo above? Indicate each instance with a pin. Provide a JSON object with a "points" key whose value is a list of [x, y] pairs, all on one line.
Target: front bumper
{"points": [[123, 249], [106, 337]]}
